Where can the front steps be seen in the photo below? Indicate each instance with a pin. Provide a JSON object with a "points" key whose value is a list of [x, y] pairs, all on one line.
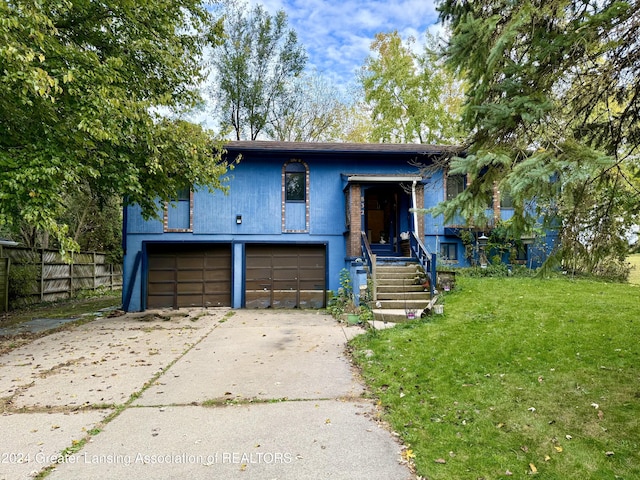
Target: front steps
{"points": [[397, 292]]}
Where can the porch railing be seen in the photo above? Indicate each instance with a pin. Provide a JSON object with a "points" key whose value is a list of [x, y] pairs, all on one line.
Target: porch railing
{"points": [[370, 261], [426, 259]]}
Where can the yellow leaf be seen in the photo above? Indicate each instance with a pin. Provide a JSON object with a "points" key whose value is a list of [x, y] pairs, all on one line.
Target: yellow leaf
{"points": [[407, 454], [243, 467], [558, 448], [547, 458], [533, 468]]}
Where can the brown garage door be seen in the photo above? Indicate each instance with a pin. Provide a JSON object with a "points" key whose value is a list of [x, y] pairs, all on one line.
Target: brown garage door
{"points": [[189, 276], [285, 276]]}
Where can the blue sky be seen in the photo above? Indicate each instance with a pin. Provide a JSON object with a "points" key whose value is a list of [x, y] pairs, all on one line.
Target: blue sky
{"points": [[337, 34]]}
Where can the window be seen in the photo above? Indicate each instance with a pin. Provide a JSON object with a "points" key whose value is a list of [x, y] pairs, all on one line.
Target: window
{"points": [[178, 212], [183, 195], [521, 253], [455, 185], [449, 251], [295, 182], [506, 200], [295, 197]]}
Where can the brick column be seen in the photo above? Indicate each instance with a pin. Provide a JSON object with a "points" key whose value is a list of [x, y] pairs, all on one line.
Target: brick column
{"points": [[355, 220]]}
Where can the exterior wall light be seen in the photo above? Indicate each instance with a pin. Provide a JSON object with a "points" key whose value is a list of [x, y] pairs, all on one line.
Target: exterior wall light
{"points": [[238, 219]]}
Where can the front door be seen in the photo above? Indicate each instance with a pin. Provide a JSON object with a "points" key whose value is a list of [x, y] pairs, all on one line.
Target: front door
{"points": [[382, 217]]}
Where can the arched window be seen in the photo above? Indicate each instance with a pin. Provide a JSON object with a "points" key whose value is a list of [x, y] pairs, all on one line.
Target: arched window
{"points": [[295, 197]]}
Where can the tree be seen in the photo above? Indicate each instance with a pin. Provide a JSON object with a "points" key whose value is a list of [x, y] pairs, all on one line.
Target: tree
{"points": [[253, 65], [95, 224], [80, 87], [412, 97], [553, 104], [356, 125], [311, 110]]}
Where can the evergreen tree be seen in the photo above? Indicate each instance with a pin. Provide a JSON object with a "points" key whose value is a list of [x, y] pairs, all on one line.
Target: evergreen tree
{"points": [[553, 104]]}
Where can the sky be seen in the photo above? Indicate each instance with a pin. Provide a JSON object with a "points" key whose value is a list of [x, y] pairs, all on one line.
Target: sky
{"points": [[337, 34]]}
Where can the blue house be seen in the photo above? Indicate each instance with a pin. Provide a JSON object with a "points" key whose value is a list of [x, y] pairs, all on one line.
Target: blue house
{"points": [[296, 214]]}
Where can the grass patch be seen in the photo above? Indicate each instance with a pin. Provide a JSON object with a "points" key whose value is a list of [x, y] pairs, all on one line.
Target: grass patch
{"points": [[519, 376], [634, 275]]}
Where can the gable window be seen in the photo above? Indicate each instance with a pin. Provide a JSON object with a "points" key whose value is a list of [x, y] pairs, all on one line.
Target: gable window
{"points": [[178, 213], [449, 251], [455, 185], [295, 182]]}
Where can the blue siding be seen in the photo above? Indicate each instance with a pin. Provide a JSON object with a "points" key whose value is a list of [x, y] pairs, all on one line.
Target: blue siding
{"points": [[255, 194], [326, 198], [136, 224], [179, 215], [295, 216]]}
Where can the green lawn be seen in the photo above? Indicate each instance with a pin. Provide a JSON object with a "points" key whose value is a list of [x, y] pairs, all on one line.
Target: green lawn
{"points": [[519, 376]]}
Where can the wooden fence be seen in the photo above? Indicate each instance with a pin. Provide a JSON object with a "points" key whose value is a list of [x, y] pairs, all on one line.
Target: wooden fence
{"points": [[4, 283], [44, 275]]}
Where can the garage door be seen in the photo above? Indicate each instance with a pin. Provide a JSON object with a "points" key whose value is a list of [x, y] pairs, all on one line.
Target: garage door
{"points": [[285, 276], [188, 276]]}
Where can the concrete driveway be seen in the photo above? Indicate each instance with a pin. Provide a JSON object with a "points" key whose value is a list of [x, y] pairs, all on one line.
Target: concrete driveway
{"points": [[198, 394]]}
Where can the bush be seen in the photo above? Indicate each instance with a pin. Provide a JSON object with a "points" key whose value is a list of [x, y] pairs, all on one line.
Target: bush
{"points": [[499, 270], [23, 281]]}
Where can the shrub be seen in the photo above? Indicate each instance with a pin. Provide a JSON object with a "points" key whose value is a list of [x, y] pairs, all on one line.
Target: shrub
{"points": [[23, 281]]}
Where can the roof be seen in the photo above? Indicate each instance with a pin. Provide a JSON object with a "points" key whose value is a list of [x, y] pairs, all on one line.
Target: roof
{"points": [[337, 147]]}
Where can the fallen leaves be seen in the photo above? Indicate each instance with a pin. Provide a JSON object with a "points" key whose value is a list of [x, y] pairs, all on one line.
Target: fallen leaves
{"points": [[407, 454]]}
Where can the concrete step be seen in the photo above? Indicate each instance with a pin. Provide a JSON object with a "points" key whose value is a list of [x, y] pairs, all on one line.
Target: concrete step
{"points": [[417, 296], [398, 293], [408, 313], [393, 288], [398, 267], [402, 304], [382, 261], [397, 278], [395, 315]]}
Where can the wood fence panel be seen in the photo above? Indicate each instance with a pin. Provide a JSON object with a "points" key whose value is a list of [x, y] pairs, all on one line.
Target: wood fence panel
{"points": [[46, 276], [4, 283]]}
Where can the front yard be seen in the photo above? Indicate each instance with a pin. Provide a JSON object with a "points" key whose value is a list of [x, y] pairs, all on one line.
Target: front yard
{"points": [[518, 377]]}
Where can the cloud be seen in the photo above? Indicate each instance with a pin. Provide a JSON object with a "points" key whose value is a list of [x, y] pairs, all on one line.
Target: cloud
{"points": [[338, 33]]}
